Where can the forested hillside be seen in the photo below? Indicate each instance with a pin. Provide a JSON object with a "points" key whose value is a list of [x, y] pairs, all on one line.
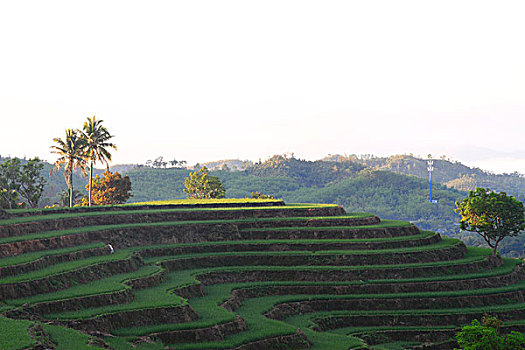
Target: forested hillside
{"points": [[451, 173]]}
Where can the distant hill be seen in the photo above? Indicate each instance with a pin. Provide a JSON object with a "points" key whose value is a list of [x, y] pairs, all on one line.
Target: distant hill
{"points": [[450, 173]]}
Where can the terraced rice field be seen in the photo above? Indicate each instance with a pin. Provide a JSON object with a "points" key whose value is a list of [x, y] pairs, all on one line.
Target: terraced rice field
{"points": [[241, 275]]}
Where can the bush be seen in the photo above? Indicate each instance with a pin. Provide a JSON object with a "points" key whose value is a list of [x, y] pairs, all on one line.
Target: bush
{"points": [[484, 336]]}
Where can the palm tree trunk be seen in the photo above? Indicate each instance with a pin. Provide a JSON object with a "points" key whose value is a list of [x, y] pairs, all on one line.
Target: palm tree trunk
{"points": [[71, 189], [90, 181]]}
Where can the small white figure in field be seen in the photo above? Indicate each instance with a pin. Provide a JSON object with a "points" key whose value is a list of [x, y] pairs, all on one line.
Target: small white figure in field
{"points": [[111, 250]]}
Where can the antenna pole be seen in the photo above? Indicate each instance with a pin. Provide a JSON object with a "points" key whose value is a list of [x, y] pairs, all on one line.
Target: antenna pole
{"points": [[430, 169]]}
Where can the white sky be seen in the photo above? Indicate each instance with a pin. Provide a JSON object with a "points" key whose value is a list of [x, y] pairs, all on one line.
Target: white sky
{"points": [[207, 80]]}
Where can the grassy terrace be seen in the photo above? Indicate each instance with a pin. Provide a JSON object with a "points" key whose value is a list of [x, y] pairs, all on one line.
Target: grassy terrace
{"points": [[445, 243], [126, 253], [159, 296], [175, 202], [30, 257], [187, 277], [14, 334], [115, 283], [455, 311], [232, 263], [470, 257], [49, 234], [65, 267], [208, 305], [76, 214]]}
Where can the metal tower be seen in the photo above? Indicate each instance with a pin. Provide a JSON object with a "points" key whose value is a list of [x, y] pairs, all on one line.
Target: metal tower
{"points": [[430, 168]]}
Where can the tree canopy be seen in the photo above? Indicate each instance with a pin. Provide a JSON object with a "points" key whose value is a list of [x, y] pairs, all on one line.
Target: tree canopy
{"points": [[485, 335], [21, 181], [201, 185], [112, 188], [492, 215]]}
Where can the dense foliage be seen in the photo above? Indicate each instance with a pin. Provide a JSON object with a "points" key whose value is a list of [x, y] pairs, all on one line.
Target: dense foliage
{"points": [[111, 188], [21, 181], [201, 185], [485, 335]]}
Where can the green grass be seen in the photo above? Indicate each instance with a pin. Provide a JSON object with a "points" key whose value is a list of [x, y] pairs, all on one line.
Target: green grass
{"points": [[191, 201], [259, 327], [29, 257], [155, 297], [67, 338], [13, 334]]}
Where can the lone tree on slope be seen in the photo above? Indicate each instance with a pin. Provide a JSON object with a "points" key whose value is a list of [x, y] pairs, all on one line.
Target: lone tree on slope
{"points": [[492, 215], [200, 185]]}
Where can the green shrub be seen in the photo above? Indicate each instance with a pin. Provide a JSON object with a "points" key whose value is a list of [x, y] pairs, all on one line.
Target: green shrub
{"points": [[484, 336]]}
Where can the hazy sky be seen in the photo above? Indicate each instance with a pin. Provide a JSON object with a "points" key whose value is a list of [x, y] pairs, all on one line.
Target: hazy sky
{"points": [[206, 80]]}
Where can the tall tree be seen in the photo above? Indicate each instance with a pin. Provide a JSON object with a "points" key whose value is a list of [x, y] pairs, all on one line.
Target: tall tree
{"points": [[96, 137], [9, 183], [492, 215], [71, 151], [32, 182]]}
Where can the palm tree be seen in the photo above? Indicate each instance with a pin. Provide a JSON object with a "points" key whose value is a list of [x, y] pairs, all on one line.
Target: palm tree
{"points": [[96, 137], [71, 152]]}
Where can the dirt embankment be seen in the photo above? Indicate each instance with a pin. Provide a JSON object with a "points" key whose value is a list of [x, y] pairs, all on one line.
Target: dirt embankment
{"points": [[66, 280], [214, 333], [445, 254], [49, 260], [284, 310], [297, 340], [239, 295], [51, 224], [135, 318], [284, 246], [418, 320], [219, 277], [335, 233]]}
